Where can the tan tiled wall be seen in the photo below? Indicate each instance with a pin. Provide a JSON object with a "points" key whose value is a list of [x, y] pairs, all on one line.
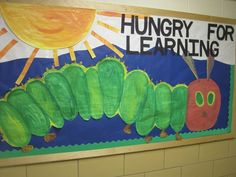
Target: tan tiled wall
{"points": [[216, 159]]}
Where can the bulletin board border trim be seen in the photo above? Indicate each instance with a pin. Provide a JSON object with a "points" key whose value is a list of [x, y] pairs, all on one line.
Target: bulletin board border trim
{"points": [[101, 7], [75, 155], [103, 149], [112, 144], [70, 152]]}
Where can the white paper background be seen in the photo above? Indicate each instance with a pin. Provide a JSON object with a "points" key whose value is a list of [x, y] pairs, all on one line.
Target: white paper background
{"points": [[198, 30]]}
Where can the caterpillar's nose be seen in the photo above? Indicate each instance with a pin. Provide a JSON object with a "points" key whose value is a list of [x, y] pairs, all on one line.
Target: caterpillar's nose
{"points": [[204, 114]]}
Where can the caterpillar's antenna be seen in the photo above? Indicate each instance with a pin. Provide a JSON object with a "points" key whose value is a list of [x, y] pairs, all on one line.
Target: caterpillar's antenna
{"points": [[189, 61], [210, 65]]}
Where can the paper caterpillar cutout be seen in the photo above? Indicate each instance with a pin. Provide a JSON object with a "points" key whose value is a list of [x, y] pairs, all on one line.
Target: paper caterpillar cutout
{"points": [[109, 89]]}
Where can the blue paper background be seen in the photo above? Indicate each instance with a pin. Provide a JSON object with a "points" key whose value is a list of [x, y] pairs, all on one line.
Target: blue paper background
{"points": [[170, 68]]}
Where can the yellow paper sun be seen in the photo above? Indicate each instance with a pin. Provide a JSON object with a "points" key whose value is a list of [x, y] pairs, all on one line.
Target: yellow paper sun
{"points": [[48, 27], [51, 28]]}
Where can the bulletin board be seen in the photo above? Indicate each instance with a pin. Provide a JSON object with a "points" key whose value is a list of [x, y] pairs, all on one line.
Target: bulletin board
{"points": [[85, 80]]}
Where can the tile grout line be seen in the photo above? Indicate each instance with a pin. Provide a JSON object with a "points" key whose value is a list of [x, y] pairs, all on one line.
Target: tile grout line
{"points": [[26, 171], [188, 6], [198, 160], [124, 165], [213, 166], [164, 161], [221, 9], [78, 168], [228, 153]]}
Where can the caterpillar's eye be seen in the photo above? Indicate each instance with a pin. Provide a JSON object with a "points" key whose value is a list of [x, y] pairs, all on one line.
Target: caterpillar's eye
{"points": [[210, 98], [199, 99]]}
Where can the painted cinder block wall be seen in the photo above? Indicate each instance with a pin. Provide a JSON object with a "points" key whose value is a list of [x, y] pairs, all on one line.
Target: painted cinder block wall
{"points": [[217, 159]]}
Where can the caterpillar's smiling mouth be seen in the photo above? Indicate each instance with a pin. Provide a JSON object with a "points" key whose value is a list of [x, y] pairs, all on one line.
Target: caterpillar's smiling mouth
{"points": [[204, 114]]}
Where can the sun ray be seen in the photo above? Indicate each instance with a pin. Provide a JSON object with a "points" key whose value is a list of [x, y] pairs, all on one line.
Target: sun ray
{"points": [[3, 31], [109, 14], [27, 66], [72, 54], [90, 50], [108, 44], [116, 14], [105, 25], [7, 48], [55, 58]]}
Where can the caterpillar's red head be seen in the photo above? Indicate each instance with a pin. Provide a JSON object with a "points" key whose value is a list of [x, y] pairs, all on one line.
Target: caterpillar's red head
{"points": [[204, 99]]}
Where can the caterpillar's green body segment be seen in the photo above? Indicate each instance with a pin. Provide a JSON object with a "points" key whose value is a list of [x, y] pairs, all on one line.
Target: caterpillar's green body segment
{"points": [[13, 127], [95, 93], [111, 74], [62, 93], [91, 92], [31, 112], [163, 105], [75, 74], [178, 107], [42, 96], [134, 95], [146, 119]]}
